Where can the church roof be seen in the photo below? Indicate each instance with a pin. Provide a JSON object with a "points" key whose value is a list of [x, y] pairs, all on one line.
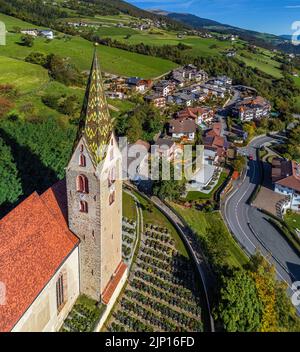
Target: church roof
{"points": [[95, 117], [35, 241]]}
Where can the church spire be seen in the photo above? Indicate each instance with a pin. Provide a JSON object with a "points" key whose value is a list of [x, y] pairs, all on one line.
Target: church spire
{"points": [[95, 117]]}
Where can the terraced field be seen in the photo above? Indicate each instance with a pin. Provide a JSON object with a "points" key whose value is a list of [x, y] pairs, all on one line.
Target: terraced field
{"points": [[162, 294]]}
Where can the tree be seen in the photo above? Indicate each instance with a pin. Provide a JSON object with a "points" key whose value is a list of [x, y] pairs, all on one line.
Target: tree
{"points": [[37, 58], [240, 308], [27, 40], [168, 189], [249, 128], [5, 106], [10, 185], [278, 313], [239, 163]]}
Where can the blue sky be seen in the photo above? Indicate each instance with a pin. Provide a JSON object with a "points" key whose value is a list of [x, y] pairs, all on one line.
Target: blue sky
{"points": [[271, 16]]}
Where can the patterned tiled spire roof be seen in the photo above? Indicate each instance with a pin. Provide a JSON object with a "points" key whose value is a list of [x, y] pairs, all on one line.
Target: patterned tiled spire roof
{"points": [[95, 116]]}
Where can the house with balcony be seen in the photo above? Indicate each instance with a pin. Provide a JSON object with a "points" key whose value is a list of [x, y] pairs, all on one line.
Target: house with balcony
{"points": [[156, 99], [164, 88], [286, 181], [252, 108]]}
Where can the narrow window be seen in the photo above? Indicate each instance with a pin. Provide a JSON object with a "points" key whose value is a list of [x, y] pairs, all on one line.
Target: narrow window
{"points": [[60, 291], [82, 184], [81, 148], [83, 207], [112, 197], [112, 176], [82, 160]]}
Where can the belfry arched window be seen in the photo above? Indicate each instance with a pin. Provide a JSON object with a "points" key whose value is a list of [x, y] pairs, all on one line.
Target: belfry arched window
{"points": [[82, 184]]}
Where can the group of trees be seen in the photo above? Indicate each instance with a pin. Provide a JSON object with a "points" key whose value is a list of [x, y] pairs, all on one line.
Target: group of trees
{"points": [[34, 154], [144, 122], [252, 300], [67, 105], [60, 68], [170, 52], [169, 189], [10, 184], [291, 149], [33, 11], [27, 40]]}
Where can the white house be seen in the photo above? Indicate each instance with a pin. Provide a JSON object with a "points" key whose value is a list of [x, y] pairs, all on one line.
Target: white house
{"points": [[32, 32], [286, 180], [47, 34]]}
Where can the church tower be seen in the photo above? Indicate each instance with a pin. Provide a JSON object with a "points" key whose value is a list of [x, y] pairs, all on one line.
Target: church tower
{"points": [[94, 189]]}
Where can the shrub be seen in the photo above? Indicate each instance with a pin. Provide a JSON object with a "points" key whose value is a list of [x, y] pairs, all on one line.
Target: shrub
{"points": [[5, 106]]}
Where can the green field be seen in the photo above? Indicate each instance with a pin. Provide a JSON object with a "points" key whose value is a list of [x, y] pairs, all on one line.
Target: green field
{"points": [[129, 207], [24, 76], [198, 46], [263, 61], [80, 51], [11, 22], [201, 223]]}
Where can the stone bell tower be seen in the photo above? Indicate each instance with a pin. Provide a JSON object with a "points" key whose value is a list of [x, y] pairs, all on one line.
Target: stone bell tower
{"points": [[94, 190]]}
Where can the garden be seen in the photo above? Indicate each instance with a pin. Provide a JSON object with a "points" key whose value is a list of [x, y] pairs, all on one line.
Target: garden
{"points": [[162, 293], [84, 316]]}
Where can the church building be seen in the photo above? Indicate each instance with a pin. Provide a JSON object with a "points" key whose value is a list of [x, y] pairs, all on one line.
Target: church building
{"points": [[68, 240]]}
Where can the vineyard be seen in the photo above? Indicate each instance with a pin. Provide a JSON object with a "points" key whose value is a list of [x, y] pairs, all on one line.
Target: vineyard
{"points": [[161, 294]]}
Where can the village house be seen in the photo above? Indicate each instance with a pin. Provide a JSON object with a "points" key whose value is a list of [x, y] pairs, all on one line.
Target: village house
{"points": [[37, 32], [115, 95], [221, 81], [252, 108], [214, 90], [165, 88], [181, 98], [47, 34], [201, 115], [184, 129], [188, 73], [286, 180], [215, 142], [118, 84], [32, 32], [165, 148], [157, 100], [143, 85]]}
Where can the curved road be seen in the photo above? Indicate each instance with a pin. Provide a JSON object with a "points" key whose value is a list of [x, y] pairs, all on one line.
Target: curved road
{"points": [[260, 234]]}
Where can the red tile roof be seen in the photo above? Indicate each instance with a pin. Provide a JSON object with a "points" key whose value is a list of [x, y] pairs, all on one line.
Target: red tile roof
{"points": [[35, 241], [215, 131], [193, 112], [182, 126], [112, 285]]}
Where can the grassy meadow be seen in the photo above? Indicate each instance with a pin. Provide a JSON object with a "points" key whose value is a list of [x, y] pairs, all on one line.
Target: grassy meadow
{"points": [[201, 223]]}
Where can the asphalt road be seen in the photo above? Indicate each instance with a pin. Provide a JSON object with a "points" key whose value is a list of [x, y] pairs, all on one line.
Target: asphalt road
{"points": [[260, 234]]}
